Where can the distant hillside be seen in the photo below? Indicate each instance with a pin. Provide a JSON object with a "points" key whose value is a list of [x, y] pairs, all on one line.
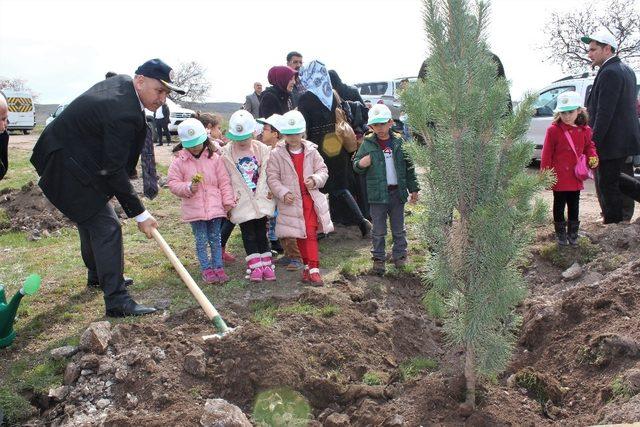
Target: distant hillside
{"points": [[223, 108]]}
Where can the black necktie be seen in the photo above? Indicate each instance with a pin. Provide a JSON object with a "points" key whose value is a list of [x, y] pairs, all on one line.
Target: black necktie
{"points": [[149, 173]]}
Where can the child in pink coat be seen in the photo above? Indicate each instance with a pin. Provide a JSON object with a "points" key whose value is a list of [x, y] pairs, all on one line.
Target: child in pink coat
{"points": [[198, 176], [295, 174], [567, 138]]}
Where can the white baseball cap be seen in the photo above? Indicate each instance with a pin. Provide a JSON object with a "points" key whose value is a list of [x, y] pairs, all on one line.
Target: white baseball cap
{"points": [[379, 113], [241, 126], [602, 36], [292, 123], [275, 121], [568, 101], [191, 133]]}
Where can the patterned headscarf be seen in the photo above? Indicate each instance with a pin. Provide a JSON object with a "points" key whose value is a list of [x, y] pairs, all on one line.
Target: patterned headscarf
{"points": [[315, 79]]}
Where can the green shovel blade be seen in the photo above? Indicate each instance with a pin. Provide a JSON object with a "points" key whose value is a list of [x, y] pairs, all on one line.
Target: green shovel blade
{"points": [[31, 284]]}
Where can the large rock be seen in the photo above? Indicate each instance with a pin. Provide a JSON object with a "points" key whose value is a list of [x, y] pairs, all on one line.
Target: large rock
{"points": [[96, 338], [71, 373], [220, 413], [337, 420], [63, 352], [572, 272], [195, 363]]}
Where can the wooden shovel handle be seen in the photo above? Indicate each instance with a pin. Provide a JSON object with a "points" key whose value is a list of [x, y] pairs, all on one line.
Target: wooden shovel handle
{"points": [[195, 290]]}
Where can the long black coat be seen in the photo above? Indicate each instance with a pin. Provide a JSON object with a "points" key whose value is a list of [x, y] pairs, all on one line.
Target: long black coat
{"points": [[612, 111], [274, 101], [4, 153], [83, 157], [320, 122]]}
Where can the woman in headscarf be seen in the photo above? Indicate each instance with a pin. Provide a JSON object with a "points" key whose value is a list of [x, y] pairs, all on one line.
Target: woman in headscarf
{"points": [[346, 92], [318, 106], [277, 98]]}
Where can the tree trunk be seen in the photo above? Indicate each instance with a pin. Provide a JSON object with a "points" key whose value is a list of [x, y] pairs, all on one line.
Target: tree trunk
{"points": [[470, 376]]}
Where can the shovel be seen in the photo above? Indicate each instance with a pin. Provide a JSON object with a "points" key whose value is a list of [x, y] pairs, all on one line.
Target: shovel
{"points": [[195, 290]]}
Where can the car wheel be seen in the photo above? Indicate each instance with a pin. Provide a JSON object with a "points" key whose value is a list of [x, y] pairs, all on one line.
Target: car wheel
{"points": [[26, 132]]}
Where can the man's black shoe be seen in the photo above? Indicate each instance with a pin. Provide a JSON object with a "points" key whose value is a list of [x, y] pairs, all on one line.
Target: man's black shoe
{"points": [[128, 281], [130, 308]]}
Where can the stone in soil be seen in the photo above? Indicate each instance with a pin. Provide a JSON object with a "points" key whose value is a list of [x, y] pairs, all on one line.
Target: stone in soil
{"points": [[572, 272], [195, 363], [96, 338], [337, 420], [219, 413], [63, 352]]}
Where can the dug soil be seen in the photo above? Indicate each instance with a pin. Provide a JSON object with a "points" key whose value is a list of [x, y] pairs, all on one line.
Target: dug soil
{"points": [[346, 348]]}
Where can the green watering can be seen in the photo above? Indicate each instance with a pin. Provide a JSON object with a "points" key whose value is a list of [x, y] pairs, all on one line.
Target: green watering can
{"points": [[8, 311]]}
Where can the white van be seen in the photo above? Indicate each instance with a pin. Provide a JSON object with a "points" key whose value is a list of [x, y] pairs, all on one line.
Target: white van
{"points": [[22, 115], [177, 114], [546, 103], [387, 91]]}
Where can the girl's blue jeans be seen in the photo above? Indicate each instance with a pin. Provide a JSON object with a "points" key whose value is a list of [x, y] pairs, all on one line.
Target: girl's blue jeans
{"points": [[208, 233]]}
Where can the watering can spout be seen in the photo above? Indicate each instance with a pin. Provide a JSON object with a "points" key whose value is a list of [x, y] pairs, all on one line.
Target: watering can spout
{"points": [[8, 311]]}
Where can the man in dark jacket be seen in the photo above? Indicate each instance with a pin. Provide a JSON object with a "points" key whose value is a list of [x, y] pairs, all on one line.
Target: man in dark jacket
{"points": [[612, 116], [83, 159], [294, 61], [161, 116], [4, 137]]}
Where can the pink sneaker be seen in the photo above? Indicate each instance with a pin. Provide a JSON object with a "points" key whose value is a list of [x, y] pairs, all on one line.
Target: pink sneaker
{"points": [[268, 273], [221, 275], [209, 276], [227, 257], [254, 268]]}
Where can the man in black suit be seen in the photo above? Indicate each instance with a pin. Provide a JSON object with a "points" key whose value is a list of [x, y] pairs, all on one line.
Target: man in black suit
{"points": [[84, 158], [613, 118], [161, 116], [4, 136]]}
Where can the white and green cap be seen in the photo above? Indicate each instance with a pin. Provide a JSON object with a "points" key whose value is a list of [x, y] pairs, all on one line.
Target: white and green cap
{"points": [[275, 121], [241, 126], [379, 113], [568, 101], [602, 36], [292, 123], [191, 133]]}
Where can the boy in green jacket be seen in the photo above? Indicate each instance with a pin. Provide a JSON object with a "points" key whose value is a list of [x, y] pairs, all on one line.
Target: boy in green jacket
{"points": [[390, 177]]}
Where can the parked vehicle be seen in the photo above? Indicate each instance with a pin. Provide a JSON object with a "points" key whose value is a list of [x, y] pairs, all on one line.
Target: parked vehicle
{"points": [[55, 114], [546, 103], [22, 115], [387, 91]]}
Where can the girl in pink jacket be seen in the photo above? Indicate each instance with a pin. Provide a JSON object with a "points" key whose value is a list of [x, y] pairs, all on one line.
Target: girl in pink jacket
{"points": [[197, 175], [295, 174]]}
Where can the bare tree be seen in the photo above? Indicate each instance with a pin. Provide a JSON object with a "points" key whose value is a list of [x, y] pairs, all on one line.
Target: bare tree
{"points": [[19, 85], [191, 77], [620, 17]]}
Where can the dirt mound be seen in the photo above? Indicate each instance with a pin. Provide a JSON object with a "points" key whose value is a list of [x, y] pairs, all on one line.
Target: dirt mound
{"points": [[28, 210]]}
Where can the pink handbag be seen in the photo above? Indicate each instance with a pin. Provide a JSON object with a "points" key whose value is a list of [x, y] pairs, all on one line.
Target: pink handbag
{"points": [[581, 170]]}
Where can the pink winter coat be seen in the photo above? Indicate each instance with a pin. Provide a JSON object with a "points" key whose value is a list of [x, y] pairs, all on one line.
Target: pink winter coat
{"points": [[282, 179], [558, 155], [213, 192]]}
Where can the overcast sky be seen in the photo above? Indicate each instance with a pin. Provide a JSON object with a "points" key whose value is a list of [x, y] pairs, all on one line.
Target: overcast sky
{"points": [[62, 47]]}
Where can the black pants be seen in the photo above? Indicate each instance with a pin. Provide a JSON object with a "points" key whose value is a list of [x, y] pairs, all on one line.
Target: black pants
{"points": [[162, 127], [570, 199], [614, 204], [225, 231], [103, 254], [254, 236]]}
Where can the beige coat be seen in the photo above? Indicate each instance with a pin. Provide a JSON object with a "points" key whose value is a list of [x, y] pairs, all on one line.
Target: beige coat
{"points": [[249, 205], [282, 179]]}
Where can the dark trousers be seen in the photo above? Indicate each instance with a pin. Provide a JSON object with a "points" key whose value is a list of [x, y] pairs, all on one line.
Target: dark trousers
{"points": [[225, 231], [394, 210], [570, 199], [614, 204], [162, 127], [254, 236], [103, 254]]}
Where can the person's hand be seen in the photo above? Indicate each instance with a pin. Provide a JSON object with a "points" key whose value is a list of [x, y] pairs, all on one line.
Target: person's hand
{"points": [[365, 162], [413, 198], [289, 198], [310, 183], [593, 162], [147, 226], [269, 195], [193, 187], [227, 208]]}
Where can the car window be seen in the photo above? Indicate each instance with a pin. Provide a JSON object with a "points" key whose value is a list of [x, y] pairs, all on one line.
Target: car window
{"points": [[546, 102], [376, 88]]}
